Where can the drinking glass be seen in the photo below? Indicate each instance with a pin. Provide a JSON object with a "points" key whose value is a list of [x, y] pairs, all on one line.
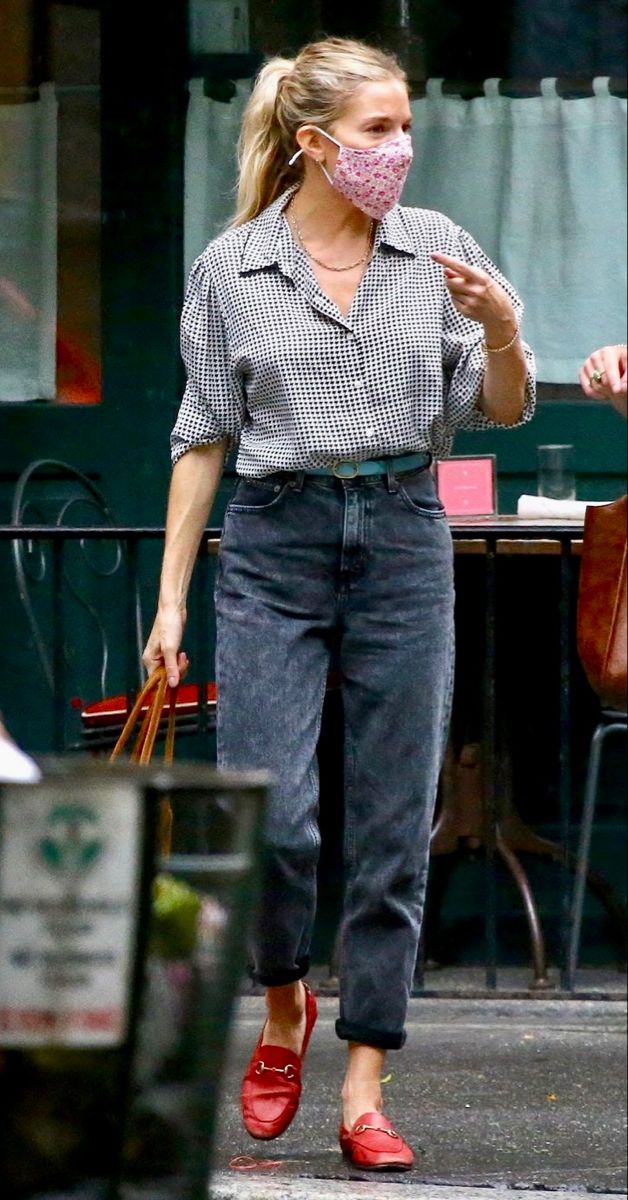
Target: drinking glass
{"points": [[555, 472]]}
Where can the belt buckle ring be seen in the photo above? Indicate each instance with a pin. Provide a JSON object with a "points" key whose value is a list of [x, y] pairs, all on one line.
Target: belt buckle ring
{"points": [[343, 462]]}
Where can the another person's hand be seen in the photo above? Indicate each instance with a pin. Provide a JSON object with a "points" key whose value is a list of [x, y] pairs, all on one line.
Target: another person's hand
{"points": [[603, 376], [477, 296], [163, 645]]}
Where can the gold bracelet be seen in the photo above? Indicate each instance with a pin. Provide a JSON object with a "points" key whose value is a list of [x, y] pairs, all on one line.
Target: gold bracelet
{"points": [[500, 349]]}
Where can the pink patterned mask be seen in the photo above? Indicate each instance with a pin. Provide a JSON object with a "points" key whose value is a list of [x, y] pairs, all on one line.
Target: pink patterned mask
{"points": [[372, 179]]}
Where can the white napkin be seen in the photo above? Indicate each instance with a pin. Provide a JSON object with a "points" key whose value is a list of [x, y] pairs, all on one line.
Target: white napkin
{"points": [[541, 506], [15, 766]]}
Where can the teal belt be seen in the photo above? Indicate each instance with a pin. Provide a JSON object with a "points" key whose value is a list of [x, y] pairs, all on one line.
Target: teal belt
{"points": [[350, 468]]}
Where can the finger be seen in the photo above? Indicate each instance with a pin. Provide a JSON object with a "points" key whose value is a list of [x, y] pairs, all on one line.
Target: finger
{"points": [[171, 662], [183, 664], [585, 383], [462, 291], [595, 370], [474, 288], [151, 660], [463, 306], [622, 363], [467, 306], [460, 268], [611, 367]]}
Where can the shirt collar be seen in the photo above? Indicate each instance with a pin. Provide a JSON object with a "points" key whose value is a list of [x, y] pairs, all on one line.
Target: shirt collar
{"points": [[270, 243], [269, 240], [394, 234]]}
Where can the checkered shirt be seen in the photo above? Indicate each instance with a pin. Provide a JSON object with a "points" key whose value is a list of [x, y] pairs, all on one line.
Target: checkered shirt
{"points": [[273, 366]]}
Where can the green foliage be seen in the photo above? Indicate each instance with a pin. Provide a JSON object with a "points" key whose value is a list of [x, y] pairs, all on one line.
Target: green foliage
{"points": [[176, 911]]}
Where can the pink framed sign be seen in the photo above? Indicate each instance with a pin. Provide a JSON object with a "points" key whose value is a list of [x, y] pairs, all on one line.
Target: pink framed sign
{"points": [[467, 486]]}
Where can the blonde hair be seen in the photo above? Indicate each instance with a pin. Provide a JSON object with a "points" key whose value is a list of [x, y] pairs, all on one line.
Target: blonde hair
{"points": [[312, 89]]}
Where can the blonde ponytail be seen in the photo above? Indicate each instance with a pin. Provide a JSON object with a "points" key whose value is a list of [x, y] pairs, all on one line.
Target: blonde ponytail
{"points": [[311, 90], [262, 160]]}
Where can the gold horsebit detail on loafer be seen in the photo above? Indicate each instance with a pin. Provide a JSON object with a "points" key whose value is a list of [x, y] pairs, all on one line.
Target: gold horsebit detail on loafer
{"points": [[290, 1072], [377, 1129]]}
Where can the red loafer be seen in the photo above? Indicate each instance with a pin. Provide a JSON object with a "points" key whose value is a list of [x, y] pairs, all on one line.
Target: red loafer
{"points": [[272, 1086], [373, 1145]]}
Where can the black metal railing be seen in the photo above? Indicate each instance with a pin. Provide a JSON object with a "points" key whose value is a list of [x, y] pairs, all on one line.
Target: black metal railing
{"points": [[489, 537], [48, 546]]}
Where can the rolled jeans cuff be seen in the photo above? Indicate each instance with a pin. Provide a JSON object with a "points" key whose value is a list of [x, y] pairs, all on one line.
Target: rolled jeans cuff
{"points": [[281, 978], [379, 1039]]}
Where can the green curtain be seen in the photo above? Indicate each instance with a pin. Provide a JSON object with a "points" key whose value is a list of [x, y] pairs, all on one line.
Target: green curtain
{"points": [[541, 184]]}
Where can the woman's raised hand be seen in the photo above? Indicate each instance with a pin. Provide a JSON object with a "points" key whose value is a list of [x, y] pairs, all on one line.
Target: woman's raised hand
{"points": [[603, 376], [477, 296], [162, 647]]}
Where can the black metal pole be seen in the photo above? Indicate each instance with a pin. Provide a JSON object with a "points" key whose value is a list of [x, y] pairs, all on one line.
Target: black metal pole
{"points": [[202, 640], [131, 623], [565, 768], [58, 649], [490, 765], [150, 821]]}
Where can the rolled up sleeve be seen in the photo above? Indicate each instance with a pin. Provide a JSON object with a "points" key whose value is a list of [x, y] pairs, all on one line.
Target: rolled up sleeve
{"points": [[213, 405], [463, 355]]}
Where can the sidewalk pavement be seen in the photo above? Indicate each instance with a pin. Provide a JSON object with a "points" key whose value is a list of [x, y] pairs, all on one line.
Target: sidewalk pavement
{"points": [[526, 1095]]}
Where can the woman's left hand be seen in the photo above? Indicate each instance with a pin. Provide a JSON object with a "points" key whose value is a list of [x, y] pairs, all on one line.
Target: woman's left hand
{"points": [[480, 298]]}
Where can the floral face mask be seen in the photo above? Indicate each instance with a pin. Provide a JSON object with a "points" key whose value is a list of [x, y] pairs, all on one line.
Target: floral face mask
{"points": [[372, 179]]}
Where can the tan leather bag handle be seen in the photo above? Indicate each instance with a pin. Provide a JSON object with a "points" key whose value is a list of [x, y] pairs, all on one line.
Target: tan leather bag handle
{"points": [[156, 688]]}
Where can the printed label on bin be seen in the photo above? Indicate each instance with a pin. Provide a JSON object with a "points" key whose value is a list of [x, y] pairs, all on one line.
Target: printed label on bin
{"points": [[70, 864]]}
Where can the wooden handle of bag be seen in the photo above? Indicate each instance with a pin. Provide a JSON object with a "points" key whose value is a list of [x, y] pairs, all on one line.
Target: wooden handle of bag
{"points": [[157, 687]]}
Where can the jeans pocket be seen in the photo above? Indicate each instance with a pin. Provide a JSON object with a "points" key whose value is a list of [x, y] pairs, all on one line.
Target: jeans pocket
{"points": [[418, 493], [257, 495]]}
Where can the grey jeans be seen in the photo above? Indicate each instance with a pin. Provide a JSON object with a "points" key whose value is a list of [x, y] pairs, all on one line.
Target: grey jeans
{"points": [[362, 569]]}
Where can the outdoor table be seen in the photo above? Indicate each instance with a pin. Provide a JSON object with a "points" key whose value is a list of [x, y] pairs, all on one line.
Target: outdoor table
{"points": [[493, 537]]}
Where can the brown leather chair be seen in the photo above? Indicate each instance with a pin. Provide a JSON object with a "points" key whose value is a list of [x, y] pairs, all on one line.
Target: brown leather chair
{"points": [[603, 649]]}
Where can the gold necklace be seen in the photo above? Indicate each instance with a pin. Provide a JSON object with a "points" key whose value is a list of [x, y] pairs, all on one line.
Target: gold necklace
{"points": [[318, 261]]}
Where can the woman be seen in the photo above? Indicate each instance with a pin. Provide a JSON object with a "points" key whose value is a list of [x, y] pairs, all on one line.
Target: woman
{"points": [[341, 340]]}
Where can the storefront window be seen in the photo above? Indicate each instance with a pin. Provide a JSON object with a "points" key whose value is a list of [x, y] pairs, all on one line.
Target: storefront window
{"points": [[50, 209]]}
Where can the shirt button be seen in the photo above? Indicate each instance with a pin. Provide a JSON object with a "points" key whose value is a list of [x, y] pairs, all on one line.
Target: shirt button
{"points": [[360, 385], [370, 433]]}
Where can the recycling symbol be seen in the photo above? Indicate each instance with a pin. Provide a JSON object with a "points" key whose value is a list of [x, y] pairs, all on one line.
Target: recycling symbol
{"points": [[71, 843]]}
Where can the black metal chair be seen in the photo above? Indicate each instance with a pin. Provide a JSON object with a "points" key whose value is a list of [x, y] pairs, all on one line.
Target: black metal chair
{"points": [[85, 580], [93, 583], [611, 722], [82, 504]]}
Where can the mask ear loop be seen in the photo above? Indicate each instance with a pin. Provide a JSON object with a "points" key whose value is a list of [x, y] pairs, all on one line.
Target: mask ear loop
{"points": [[321, 165], [300, 152]]}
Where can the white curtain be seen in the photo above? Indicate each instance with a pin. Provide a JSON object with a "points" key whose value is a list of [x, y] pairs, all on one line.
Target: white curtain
{"points": [[28, 248], [541, 184]]}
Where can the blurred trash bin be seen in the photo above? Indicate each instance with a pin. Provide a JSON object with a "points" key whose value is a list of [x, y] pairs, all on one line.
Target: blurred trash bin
{"points": [[118, 975]]}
